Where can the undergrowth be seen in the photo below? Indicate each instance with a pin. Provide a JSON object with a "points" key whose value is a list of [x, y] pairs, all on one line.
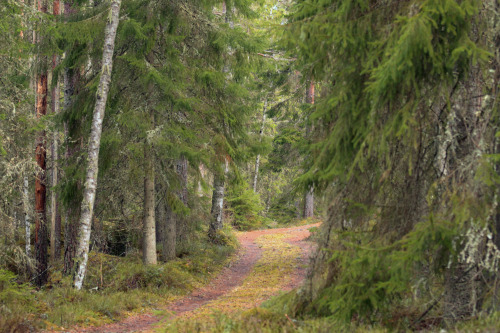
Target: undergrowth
{"points": [[114, 287]]}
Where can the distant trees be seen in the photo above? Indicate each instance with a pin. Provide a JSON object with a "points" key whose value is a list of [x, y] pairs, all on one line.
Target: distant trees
{"points": [[187, 91]]}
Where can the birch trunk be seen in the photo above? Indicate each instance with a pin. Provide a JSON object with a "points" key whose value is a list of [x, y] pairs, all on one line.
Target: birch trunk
{"points": [[309, 203], [217, 211], [94, 145], [149, 232], [203, 173], [257, 161]]}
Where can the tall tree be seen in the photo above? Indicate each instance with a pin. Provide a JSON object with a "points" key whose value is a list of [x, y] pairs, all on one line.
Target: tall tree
{"points": [[257, 160], [217, 210], [94, 144], [309, 196], [149, 232], [71, 83], [55, 225], [181, 170], [41, 230]]}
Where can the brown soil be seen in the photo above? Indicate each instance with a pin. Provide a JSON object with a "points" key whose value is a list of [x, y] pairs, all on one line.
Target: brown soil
{"points": [[230, 277]]}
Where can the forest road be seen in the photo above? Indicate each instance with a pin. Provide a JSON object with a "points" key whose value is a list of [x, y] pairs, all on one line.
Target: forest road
{"points": [[228, 279]]}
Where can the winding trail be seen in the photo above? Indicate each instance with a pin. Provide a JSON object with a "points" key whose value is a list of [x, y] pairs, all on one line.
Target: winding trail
{"points": [[229, 279]]}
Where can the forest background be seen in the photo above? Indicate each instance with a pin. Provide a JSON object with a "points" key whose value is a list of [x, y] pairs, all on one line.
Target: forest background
{"points": [[135, 135]]}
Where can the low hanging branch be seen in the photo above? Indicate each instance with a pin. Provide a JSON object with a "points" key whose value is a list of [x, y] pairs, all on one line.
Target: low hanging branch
{"points": [[94, 145]]}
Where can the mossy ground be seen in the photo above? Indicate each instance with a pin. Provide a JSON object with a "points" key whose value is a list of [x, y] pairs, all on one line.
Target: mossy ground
{"points": [[115, 287], [268, 277]]}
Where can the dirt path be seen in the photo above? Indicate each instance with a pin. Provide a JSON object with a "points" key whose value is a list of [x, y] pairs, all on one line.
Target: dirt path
{"points": [[230, 278]]}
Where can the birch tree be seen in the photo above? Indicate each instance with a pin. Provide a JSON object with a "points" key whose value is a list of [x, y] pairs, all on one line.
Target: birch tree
{"points": [[149, 232], [257, 161], [90, 186]]}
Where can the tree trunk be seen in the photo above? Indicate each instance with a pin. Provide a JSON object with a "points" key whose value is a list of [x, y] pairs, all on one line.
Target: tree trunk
{"points": [[181, 169], [27, 223], [40, 188], [203, 173], [55, 225], [149, 233], [309, 196], [167, 231], [217, 211], [309, 203], [257, 161], [41, 232], [170, 234], [94, 145], [159, 211], [72, 213]]}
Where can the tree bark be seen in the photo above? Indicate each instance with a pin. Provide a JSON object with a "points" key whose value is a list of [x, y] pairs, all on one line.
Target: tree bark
{"points": [[309, 203], [72, 213], [181, 169], [170, 234], [41, 232], [217, 211], [55, 225], [203, 172], [149, 232], [87, 207], [257, 161], [27, 223], [40, 188], [309, 196]]}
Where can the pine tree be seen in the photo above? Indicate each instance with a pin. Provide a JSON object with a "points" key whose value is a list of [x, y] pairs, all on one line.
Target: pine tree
{"points": [[41, 228], [391, 143]]}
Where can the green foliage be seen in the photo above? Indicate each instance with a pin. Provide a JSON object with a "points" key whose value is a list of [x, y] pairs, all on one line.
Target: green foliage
{"points": [[15, 300], [245, 206], [114, 286], [375, 94], [225, 237]]}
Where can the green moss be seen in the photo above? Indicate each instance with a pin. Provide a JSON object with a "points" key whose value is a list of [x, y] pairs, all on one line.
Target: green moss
{"points": [[114, 287]]}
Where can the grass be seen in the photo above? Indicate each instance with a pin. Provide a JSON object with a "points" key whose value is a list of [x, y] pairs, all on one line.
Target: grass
{"points": [[270, 274], [115, 287]]}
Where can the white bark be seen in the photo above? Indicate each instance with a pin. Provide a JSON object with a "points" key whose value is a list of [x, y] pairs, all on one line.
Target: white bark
{"points": [[217, 211], [149, 225], [94, 145], [257, 161], [203, 173], [309, 203]]}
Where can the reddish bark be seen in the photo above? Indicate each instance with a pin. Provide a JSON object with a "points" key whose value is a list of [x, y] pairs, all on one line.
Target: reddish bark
{"points": [[41, 239], [56, 7]]}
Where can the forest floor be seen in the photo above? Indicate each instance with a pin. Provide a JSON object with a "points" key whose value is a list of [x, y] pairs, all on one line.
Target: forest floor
{"points": [[268, 262]]}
